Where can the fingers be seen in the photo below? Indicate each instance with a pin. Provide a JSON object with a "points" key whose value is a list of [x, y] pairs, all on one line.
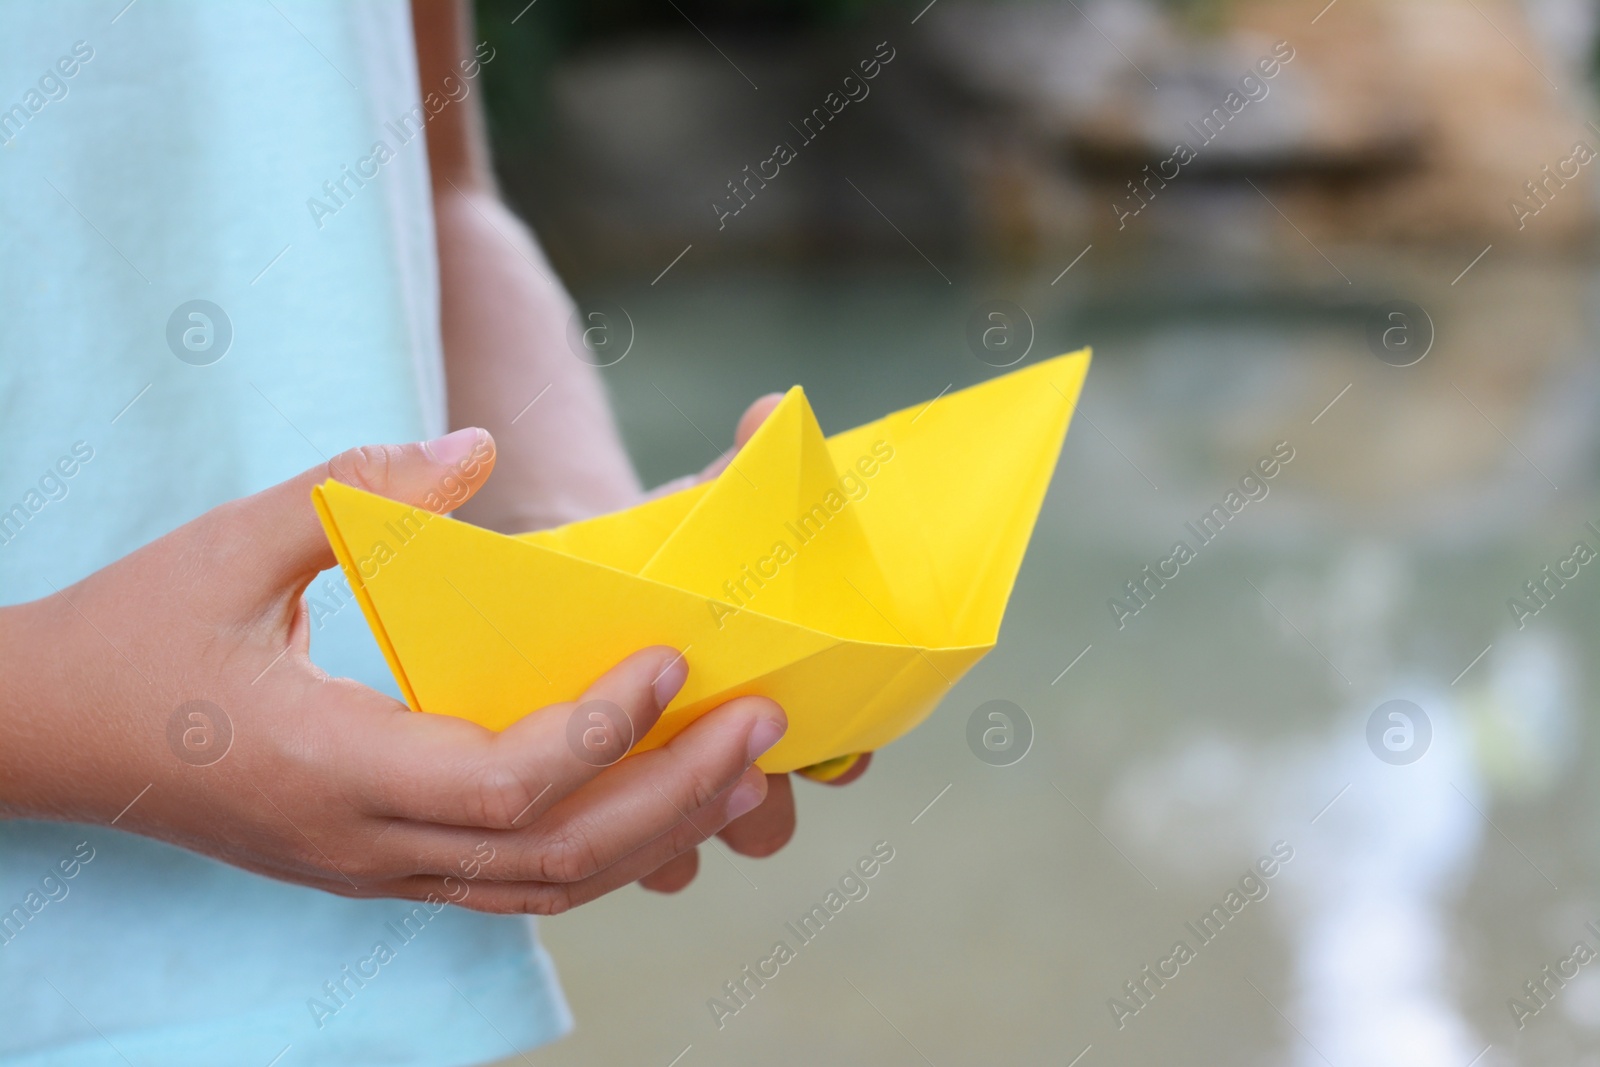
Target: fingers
{"points": [[753, 417], [856, 770], [675, 874], [619, 812], [758, 833], [552, 898], [595, 733], [647, 795], [440, 769], [559, 818], [280, 532], [768, 828], [749, 422]]}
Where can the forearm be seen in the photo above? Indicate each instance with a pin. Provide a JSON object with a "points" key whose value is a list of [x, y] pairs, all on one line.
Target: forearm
{"points": [[70, 702], [509, 369], [23, 730], [504, 318]]}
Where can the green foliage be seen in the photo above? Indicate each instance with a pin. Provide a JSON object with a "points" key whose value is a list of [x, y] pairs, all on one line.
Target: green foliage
{"points": [[1199, 15]]}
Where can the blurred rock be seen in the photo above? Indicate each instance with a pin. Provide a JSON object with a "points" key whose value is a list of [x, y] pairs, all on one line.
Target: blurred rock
{"points": [[653, 134], [1019, 132], [1492, 115], [1419, 121]]}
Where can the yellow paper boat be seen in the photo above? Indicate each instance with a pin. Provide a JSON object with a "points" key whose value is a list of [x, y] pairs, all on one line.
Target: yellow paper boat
{"points": [[852, 579]]}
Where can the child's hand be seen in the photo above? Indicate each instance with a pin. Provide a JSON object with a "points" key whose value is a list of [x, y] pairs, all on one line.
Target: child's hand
{"points": [[326, 782], [769, 827], [760, 833]]}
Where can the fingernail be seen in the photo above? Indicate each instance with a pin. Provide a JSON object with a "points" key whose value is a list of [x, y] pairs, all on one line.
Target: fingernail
{"points": [[743, 799], [764, 734], [670, 680], [454, 448]]}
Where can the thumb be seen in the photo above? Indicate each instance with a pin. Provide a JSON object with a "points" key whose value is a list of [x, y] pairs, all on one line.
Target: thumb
{"points": [[285, 540], [749, 423], [753, 417]]}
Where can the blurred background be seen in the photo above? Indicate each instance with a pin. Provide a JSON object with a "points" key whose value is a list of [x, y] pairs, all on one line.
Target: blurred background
{"points": [[1379, 256]]}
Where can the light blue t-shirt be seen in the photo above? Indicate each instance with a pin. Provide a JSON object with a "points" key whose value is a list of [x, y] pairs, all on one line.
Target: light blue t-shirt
{"points": [[153, 154]]}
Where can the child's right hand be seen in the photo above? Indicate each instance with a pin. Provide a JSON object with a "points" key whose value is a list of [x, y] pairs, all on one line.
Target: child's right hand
{"points": [[327, 782]]}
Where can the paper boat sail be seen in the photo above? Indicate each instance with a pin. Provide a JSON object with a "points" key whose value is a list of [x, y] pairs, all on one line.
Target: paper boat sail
{"points": [[853, 579]]}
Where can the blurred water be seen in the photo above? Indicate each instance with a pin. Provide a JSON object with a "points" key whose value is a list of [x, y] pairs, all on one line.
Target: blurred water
{"points": [[1229, 716]]}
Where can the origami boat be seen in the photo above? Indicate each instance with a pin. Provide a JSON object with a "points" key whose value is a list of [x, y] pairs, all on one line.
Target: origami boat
{"points": [[853, 579]]}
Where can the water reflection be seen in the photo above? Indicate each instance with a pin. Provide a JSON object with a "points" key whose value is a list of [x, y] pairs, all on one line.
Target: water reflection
{"points": [[1231, 713], [1368, 903]]}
